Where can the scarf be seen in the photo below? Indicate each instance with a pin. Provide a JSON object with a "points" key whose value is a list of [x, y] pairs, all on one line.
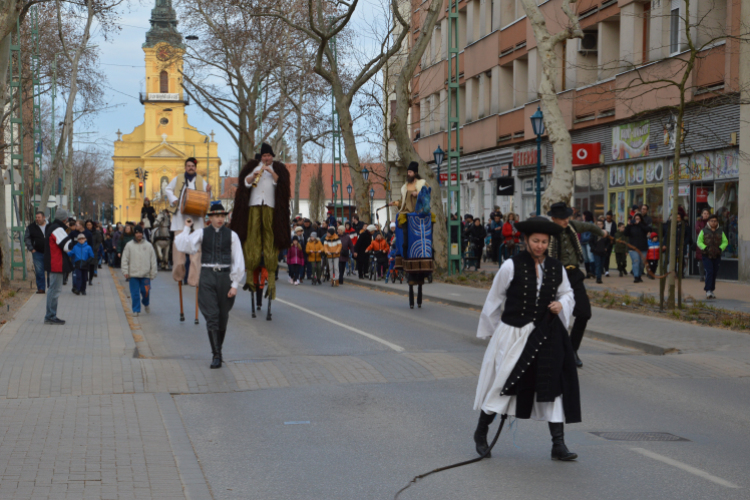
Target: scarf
{"points": [[189, 177]]}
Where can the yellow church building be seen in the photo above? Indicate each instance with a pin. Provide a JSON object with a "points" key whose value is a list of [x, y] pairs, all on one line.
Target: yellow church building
{"points": [[160, 145]]}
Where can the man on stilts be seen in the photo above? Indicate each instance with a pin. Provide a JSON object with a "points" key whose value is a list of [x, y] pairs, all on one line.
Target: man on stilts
{"points": [[529, 368], [222, 271], [261, 216], [566, 248]]}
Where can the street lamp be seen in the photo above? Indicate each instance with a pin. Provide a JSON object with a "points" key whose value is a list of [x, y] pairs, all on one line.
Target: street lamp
{"points": [[349, 200], [439, 154], [365, 174], [335, 189], [372, 200], [537, 123]]}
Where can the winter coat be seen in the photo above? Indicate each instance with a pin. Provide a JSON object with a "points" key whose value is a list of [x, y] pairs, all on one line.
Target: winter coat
{"points": [[364, 240], [333, 246], [699, 225], [295, 256], [599, 244], [653, 250], [148, 213], [638, 235], [314, 249], [34, 238], [378, 246], [139, 260], [712, 243], [352, 235], [57, 242], [688, 243], [476, 235], [80, 255], [124, 240], [510, 234], [347, 247], [116, 240], [620, 247]]}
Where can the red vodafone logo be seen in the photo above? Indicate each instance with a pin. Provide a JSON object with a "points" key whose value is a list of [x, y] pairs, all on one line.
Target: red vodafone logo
{"points": [[586, 154]]}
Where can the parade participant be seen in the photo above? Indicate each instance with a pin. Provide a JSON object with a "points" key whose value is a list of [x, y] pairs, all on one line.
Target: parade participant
{"points": [[222, 270], [529, 367], [175, 191], [566, 248], [261, 214]]}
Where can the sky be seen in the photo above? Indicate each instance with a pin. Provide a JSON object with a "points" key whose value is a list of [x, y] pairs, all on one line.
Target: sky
{"points": [[122, 60]]}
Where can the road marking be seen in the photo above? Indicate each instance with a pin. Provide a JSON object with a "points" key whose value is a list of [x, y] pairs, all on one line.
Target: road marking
{"points": [[685, 467], [301, 422], [370, 336]]}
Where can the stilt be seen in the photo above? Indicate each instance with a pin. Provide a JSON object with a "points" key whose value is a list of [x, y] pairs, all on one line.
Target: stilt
{"points": [[196, 305], [411, 296], [268, 316], [252, 302], [419, 296], [182, 311]]}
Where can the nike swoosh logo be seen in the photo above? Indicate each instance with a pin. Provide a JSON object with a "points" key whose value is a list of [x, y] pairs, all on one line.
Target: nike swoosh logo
{"points": [[504, 188]]}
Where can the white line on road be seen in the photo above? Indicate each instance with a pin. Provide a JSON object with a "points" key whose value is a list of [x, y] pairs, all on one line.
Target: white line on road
{"points": [[685, 467], [370, 336]]}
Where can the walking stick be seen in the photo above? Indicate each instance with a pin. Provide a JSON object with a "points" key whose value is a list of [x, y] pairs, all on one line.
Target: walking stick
{"points": [[182, 312], [196, 305]]}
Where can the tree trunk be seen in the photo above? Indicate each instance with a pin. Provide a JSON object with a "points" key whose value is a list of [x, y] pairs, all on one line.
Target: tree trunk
{"points": [[4, 238], [361, 189], [672, 245], [405, 147]]}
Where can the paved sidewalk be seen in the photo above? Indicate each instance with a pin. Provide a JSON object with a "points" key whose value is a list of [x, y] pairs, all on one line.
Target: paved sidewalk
{"points": [[649, 334]]}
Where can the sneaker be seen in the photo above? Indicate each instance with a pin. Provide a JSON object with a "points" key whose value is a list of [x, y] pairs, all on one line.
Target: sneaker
{"points": [[40, 291], [606, 274], [708, 295], [54, 321], [291, 281], [83, 293], [713, 295], [135, 314], [148, 309]]}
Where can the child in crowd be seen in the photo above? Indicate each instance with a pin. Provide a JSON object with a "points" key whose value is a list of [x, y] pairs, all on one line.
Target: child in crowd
{"points": [[81, 257], [621, 250], [391, 264], [652, 256], [599, 247], [314, 250], [379, 248], [295, 260]]}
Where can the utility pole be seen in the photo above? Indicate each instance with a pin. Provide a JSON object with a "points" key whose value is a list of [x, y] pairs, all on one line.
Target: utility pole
{"points": [[337, 185], [454, 147]]}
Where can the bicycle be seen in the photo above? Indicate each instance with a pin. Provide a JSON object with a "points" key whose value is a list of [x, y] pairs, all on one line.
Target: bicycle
{"points": [[326, 274], [373, 267]]}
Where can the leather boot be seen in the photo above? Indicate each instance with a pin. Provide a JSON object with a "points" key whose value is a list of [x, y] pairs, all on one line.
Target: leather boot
{"points": [[559, 450], [480, 435], [411, 296], [419, 296], [213, 336], [579, 363]]}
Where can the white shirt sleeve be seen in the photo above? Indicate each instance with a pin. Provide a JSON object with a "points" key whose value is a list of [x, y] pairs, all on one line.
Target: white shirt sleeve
{"points": [[566, 298], [169, 190], [237, 272], [60, 235], [489, 320], [187, 242]]}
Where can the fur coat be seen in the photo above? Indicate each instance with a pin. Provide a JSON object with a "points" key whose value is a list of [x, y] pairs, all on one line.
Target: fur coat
{"points": [[281, 216]]}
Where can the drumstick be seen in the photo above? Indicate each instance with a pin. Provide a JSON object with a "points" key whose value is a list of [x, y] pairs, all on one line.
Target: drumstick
{"points": [[196, 305], [182, 312]]}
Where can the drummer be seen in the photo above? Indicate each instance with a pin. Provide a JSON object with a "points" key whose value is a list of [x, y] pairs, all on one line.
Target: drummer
{"points": [[175, 191]]}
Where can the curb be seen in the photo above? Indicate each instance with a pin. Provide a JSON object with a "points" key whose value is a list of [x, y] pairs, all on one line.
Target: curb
{"points": [[634, 344]]}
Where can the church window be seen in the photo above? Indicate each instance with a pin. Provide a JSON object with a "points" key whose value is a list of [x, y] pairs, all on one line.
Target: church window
{"points": [[164, 121], [163, 82]]}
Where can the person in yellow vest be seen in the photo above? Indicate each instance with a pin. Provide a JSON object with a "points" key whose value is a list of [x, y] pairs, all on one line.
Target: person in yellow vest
{"points": [[174, 191]]}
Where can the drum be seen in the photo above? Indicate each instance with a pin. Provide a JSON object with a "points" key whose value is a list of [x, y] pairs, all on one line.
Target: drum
{"points": [[195, 203]]}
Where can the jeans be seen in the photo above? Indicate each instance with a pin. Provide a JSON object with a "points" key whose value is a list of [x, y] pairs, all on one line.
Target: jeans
{"points": [[635, 258], [140, 291], [598, 265], [80, 278], [53, 292], [39, 270], [333, 264], [309, 269], [712, 269]]}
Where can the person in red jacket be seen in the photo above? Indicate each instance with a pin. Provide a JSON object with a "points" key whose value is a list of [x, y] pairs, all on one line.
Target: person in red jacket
{"points": [[57, 244], [510, 235]]}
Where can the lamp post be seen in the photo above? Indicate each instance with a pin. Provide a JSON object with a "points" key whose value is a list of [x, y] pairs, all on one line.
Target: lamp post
{"points": [[439, 154], [349, 200], [335, 189], [365, 176], [537, 123], [372, 200]]}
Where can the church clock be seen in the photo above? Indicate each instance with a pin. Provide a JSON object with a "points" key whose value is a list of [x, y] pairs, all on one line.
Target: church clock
{"points": [[163, 53]]}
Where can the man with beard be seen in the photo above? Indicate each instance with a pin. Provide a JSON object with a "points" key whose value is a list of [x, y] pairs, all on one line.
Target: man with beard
{"points": [[261, 215]]}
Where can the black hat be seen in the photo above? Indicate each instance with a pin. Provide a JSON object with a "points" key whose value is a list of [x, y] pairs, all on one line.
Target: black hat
{"points": [[265, 148], [193, 160], [413, 167], [560, 210], [538, 225], [257, 156], [217, 209], [138, 229]]}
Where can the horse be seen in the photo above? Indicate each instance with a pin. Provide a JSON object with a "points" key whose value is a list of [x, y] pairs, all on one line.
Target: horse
{"points": [[160, 238]]}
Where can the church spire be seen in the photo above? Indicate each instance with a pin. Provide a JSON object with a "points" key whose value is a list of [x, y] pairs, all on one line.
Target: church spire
{"points": [[163, 25]]}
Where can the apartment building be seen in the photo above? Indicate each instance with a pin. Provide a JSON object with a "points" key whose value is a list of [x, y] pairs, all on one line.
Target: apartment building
{"points": [[623, 138]]}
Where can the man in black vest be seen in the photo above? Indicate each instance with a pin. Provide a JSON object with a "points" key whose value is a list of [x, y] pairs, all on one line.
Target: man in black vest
{"points": [[222, 271]]}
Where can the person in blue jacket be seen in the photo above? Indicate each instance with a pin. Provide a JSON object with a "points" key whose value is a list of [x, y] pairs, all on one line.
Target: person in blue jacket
{"points": [[81, 256]]}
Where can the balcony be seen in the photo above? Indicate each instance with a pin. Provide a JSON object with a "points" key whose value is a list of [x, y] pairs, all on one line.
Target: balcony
{"points": [[145, 97]]}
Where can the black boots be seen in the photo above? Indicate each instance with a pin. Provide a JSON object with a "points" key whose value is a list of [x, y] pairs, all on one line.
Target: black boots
{"points": [[579, 363], [217, 340], [411, 296], [419, 296], [480, 435], [559, 450]]}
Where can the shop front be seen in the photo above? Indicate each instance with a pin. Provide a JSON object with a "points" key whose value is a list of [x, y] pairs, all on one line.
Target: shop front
{"points": [[524, 164], [636, 184]]}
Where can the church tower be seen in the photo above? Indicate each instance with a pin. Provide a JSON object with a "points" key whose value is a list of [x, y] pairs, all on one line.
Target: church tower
{"points": [[160, 145]]}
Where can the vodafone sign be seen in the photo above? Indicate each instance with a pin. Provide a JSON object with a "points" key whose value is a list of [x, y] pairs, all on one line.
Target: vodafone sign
{"points": [[586, 154]]}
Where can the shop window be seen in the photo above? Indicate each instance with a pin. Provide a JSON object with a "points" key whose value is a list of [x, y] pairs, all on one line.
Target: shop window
{"points": [[655, 202], [726, 207]]}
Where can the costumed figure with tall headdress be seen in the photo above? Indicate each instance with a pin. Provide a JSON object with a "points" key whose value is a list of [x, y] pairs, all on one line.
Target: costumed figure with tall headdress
{"points": [[414, 252], [261, 217], [529, 367], [222, 269]]}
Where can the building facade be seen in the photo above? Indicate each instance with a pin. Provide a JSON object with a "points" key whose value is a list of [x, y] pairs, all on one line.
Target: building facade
{"points": [[160, 145], [622, 133]]}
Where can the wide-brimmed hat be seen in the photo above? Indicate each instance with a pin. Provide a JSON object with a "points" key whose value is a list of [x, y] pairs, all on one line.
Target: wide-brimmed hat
{"points": [[560, 210], [217, 209], [266, 148], [539, 225]]}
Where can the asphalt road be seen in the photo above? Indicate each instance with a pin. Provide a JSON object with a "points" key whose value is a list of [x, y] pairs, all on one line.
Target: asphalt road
{"points": [[367, 440]]}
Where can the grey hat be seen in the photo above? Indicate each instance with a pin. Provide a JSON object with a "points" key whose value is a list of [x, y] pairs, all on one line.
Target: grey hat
{"points": [[61, 214], [313, 235]]}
